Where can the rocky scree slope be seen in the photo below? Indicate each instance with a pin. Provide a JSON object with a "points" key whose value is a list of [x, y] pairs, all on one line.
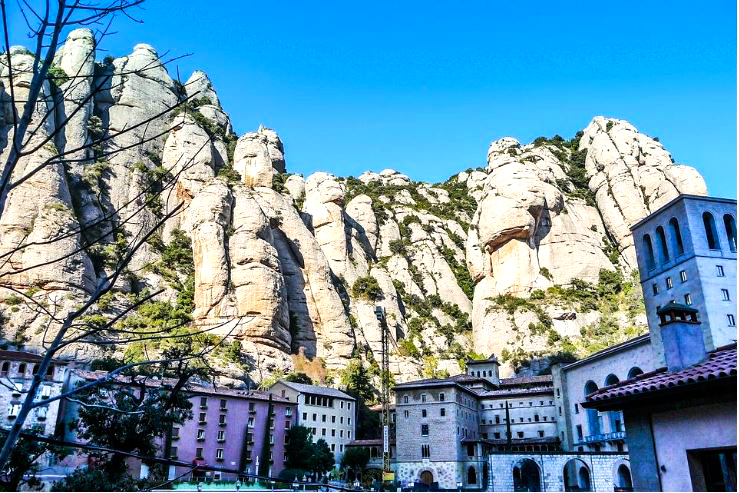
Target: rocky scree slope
{"points": [[529, 257]]}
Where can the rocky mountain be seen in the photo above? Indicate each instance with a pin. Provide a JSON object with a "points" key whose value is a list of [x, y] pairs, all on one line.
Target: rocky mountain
{"points": [[529, 256]]}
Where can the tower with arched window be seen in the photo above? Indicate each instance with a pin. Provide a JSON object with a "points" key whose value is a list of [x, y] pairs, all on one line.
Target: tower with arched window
{"points": [[686, 252]]}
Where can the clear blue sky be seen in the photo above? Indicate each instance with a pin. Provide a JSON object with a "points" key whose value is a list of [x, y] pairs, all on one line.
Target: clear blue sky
{"points": [[423, 87]]}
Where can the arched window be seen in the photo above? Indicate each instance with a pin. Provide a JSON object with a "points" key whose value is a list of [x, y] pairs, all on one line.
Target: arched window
{"points": [[711, 236], [471, 476], [634, 372], [623, 479], [611, 380], [677, 238], [649, 251], [730, 226], [5, 368], [664, 254], [22, 369], [593, 415], [615, 421]]}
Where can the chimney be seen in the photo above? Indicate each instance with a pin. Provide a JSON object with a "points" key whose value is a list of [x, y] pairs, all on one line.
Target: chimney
{"points": [[682, 337]]}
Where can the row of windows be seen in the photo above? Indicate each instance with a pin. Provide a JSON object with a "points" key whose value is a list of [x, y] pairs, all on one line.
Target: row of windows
{"points": [[333, 432], [223, 406], [323, 418], [442, 398], [424, 412], [712, 239], [323, 401], [22, 370], [520, 403], [684, 278], [536, 419]]}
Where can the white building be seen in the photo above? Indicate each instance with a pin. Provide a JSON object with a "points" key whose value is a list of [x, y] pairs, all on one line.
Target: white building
{"points": [[583, 430], [686, 252], [329, 413]]}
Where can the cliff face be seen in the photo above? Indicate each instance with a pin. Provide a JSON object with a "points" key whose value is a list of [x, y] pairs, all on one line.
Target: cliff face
{"points": [[527, 257]]}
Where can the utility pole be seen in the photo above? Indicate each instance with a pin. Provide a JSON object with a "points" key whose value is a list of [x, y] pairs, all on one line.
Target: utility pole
{"points": [[380, 314]]}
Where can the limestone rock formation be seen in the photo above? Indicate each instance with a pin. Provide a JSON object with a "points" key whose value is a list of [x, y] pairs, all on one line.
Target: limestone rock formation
{"points": [[526, 257]]}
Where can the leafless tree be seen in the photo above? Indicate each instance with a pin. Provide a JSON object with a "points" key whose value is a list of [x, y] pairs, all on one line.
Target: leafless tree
{"points": [[47, 24]]}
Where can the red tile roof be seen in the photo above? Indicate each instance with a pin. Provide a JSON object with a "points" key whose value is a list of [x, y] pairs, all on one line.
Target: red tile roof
{"points": [[525, 380], [721, 364], [191, 387]]}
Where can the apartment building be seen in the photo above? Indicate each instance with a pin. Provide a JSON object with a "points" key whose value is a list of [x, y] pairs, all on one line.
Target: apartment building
{"points": [[328, 412]]}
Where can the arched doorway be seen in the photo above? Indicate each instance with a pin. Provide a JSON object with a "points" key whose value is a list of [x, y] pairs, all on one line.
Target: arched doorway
{"points": [[471, 476], [576, 475], [526, 476], [623, 479], [427, 478]]}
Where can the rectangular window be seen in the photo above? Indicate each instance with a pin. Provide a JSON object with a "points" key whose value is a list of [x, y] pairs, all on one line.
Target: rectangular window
{"points": [[203, 402], [223, 404], [424, 430], [655, 288], [314, 416], [251, 406], [496, 435], [579, 432], [349, 434], [199, 453], [688, 299], [342, 404], [541, 433], [423, 397], [423, 413], [577, 409], [201, 434], [683, 276], [202, 418], [305, 416], [287, 424], [333, 432], [520, 434], [725, 295], [668, 282], [221, 435], [46, 391], [536, 417], [323, 432], [497, 419], [250, 423], [425, 452], [219, 454], [442, 411], [333, 447], [222, 419], [349, 421], [288, 411], [341, 433], [323, 418], [442, 397], [13, 410], [173, 453], [730, 318], [720, 271], [349, 405], [405, 413], [175, 433], [333, 419], [341, 420]]}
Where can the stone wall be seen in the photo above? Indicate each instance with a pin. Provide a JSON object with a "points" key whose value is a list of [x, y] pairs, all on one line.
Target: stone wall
{"points": [[601, 468]]}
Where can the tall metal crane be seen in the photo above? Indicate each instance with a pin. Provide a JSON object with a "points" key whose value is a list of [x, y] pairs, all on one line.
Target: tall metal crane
{"points": [[385, 377]]}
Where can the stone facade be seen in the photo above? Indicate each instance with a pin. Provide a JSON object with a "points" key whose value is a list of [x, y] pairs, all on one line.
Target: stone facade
{"points": [[589, 430], [555, 471], [687, 253], [328, 412]]}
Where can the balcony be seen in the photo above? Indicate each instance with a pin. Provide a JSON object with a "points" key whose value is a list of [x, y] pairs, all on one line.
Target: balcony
{"points": [[606, 437]]}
